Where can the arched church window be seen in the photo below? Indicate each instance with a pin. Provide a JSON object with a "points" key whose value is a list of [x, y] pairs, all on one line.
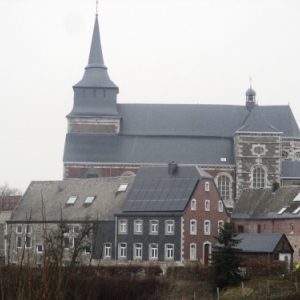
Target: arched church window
{"points": [[224, 186], [259, 177]]}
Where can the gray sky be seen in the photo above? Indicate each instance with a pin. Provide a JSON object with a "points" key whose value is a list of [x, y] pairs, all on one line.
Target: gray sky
{"points": [[158, 51]]}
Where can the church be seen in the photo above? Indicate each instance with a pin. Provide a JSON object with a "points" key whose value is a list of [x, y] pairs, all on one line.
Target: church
{"points": [[241, 146]]}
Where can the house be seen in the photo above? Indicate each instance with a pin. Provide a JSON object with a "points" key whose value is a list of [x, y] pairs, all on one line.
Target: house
{"points": [[272, 210], [163, 215], [272, 246], [170, 215], [47, 205], [240, 146]]}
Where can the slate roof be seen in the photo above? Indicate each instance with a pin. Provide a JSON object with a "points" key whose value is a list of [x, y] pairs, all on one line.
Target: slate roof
{"points": [[265, 204], [290, 169], [260, 243], [154, 190], [54, 196]]}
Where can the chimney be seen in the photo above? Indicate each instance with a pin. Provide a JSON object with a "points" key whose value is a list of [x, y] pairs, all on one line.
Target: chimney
{"points": [[172, 168]]}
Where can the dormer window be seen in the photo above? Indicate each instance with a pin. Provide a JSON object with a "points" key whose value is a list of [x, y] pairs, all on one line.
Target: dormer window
{"points": [[72, 199], [282, 211], [89, 200]]}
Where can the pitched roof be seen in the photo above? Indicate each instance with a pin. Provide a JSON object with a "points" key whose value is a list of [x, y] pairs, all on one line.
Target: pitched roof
{"points": [[91, 148], [266, 204], [55, 194], [261, 242], [155, 190], [290, 169]]}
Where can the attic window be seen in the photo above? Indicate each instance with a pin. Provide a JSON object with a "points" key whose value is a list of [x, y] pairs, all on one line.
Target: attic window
{"points": [[89, 199], [122, 187], [223, 159], [297, 198], [71, 199], [282, 211], [296, 210]]}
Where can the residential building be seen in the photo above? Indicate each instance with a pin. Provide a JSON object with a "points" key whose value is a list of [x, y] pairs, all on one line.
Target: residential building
{"points": [[271, 210]]}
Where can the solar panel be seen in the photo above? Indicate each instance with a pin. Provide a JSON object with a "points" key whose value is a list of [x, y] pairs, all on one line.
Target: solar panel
{"points": [[127, 205], [141, 195], [133, 194], [182, 204], [192, 183], [146, 184], [174, 205], [143, 206], [154, 184], [158, 205], [169, 183], [162, 183], [138, 184], [172, 194], [166, 205], [179, 194], [177, 183], [149, 194], [135, 205], [151, 205], [156, 194]]}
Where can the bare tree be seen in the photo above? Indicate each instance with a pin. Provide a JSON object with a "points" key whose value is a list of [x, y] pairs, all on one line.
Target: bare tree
{"points": [[6, 190]]}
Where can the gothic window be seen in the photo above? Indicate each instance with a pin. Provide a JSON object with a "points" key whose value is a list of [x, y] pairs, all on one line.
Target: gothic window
{"points": [[284, 154], [259, 177], [223, 187]]}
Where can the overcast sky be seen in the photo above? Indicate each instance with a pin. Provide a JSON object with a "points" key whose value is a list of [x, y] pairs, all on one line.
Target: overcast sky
{"points": [[156, 51]]}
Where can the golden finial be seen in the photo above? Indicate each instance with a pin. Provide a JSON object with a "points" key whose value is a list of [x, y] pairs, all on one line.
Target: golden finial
{"points": [[96, 7]]}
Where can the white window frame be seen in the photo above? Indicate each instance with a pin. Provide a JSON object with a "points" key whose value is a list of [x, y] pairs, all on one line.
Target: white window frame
{"points": [[75, 229], [193, 227], [107, 248], [138, 226], [28, 229], [138, 251], [169, 251], [259, 177], [19, 238], [153, 251], [206, 186], [220, 225], [122, 250], [220, 206], [37, 248], [169, 227], [153, 227], [207, 227], [193, 251], [193, 204], [19, 227], [207, 205], [123, 226], [224, 183]]}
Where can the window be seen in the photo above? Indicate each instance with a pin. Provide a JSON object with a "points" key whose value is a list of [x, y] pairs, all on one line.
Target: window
{"points": [[39, 248], [291, 228], [169, 251], [282, 211], [259, 150], [153, 251], [107, 250], [122, 250], [240, 229], [122, 187], [258, 228], [19, 242], [27, 229], [66, 243], [220, 225], [28, 242], [169, 227], [284, 154], [87, 249], [296, 210], [193, 204], [220, 206], [75, 242], [75, 229], [193, 251], [153, 227], [259, 177], [19, 229], [123, 226], [138, 226], [224, 186], [207, 227], [137, 251], [193, 227], [207, 205], [71, 200], [89, 200], [207, 186]]}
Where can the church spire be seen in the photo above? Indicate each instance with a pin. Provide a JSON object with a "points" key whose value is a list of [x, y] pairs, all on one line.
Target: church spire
{"points": [[95, 74]]}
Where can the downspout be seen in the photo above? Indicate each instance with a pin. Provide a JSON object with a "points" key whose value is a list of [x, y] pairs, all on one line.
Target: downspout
{"points": [[5, 243], [116, 229]]}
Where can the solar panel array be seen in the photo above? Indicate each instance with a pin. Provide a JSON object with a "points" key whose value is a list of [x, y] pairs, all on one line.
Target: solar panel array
{"points": [[160, 195]]}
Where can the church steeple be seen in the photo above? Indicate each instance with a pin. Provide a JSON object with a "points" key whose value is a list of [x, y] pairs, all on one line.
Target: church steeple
{"points": [[250, 97], [95, 95]]}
